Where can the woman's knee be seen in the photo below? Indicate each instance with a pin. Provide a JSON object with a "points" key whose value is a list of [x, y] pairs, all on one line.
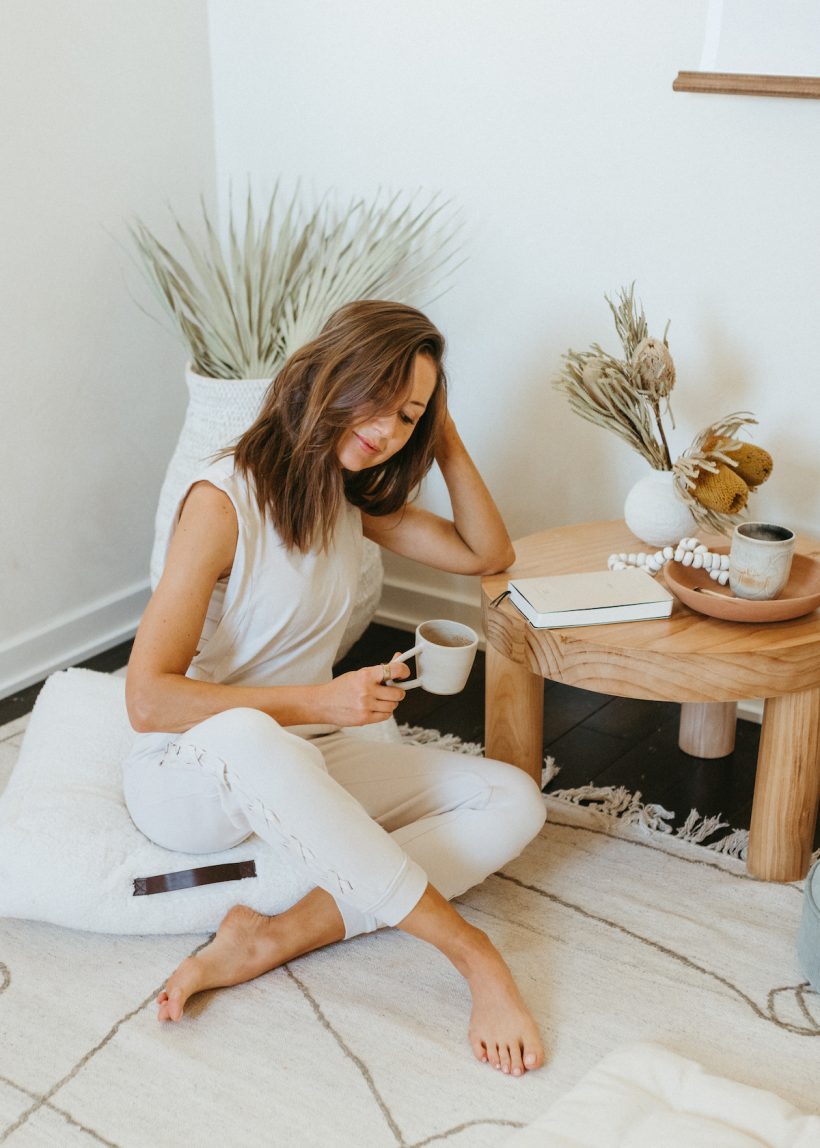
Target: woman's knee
{"points": [[242, 719], [237, 728], [524, 800], [244, 735]]}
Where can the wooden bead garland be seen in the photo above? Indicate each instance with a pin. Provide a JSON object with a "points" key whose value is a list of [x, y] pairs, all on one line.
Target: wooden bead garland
{"points": [[689, 552]]}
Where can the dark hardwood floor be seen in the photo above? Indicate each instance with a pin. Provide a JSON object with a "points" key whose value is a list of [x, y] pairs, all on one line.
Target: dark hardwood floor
{"points": [[593, 737]]}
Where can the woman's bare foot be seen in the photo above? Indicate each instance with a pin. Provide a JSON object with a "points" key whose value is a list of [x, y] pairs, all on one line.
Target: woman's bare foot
{"points": [[247, 944], [244, 947], [502, 1030]]}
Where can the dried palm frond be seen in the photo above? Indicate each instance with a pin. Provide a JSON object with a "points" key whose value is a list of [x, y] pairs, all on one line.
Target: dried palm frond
{"points": [[711, 449], [243, 304]]}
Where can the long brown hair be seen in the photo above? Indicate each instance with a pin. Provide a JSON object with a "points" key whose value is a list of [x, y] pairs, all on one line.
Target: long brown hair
{"points": [[359, 365]]}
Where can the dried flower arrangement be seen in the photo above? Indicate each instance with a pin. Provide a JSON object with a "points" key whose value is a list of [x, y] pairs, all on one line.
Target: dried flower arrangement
{"points": [[630, 396]]}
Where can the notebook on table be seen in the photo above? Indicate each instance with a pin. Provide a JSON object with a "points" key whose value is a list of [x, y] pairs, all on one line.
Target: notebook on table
{"points": [[590, 599]]}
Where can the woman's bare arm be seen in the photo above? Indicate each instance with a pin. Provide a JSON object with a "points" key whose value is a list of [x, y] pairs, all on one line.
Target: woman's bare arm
{"points": [[160, 697], [474, 542]]}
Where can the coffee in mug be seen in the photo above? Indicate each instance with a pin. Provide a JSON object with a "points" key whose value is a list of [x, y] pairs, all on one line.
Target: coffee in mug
{"points": [[760, 559], [444, 653]]}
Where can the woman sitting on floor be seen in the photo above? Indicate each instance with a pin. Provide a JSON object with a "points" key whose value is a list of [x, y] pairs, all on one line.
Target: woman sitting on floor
{"points": [[231, 691]]}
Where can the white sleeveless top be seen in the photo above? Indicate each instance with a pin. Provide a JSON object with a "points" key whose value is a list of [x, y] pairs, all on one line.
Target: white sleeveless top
{"points": [[277, 619]]}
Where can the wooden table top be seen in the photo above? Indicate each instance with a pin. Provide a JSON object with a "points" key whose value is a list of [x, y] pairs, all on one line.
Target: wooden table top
{"points": [[687, 657]]}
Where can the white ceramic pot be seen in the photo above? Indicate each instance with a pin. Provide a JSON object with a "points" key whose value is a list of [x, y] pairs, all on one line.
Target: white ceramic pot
{"points": [[219, 411], [655, 512]]}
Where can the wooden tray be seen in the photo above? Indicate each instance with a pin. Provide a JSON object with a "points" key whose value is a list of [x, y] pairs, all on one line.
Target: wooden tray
{"points": [[800, 595]]}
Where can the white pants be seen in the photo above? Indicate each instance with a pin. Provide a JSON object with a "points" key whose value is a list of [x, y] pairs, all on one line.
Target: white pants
{"points": [[370, 822]]}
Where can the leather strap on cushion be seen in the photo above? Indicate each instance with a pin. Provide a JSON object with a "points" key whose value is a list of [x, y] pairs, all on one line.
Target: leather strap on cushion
{"points": [[191, 878]]}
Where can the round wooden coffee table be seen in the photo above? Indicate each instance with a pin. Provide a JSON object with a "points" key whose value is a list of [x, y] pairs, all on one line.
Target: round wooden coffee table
{"points": [[705, 663]]}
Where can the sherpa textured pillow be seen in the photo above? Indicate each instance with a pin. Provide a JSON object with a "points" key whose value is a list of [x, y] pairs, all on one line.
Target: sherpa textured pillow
{"points": [[69, 852], [646, 1096]]}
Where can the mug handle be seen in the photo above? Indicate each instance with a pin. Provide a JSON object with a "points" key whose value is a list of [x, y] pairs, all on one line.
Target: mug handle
{"points": [[411, 685]]}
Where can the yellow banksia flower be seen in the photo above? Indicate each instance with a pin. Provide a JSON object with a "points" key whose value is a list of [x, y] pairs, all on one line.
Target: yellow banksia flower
{"points": [[754, 464], [722, 491]]}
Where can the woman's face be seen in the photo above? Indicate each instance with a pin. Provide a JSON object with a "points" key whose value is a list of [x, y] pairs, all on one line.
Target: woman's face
{"points": [[380, 436]]}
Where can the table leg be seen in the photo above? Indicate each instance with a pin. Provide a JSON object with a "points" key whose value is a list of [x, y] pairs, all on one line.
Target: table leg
{"points": [[707, 729], [514, 714], [787, 788]]}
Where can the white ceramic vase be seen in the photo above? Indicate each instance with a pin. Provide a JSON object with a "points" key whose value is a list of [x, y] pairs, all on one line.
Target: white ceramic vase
{"points": [[655, 512], [219, 411]]}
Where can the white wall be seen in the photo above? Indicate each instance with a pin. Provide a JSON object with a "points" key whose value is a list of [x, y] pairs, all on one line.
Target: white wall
{"points": [[554, 125], [106, 114]]}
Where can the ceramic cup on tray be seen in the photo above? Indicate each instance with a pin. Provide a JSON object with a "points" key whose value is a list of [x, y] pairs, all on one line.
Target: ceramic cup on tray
{"points": [[760, 559]]}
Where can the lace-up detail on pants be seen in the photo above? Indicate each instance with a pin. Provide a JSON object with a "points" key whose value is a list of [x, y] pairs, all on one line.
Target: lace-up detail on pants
{"points": [[370, 822]]}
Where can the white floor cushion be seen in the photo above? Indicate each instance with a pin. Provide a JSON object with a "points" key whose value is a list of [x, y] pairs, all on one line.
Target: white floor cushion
{"points": [[644, 1096], [69, 852]]}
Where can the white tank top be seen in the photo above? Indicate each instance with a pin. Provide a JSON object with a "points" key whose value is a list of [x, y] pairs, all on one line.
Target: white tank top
{"points": [[279, 616]]}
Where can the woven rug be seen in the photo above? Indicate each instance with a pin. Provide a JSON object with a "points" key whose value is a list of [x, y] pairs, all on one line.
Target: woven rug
{"points": [[616, 931]]}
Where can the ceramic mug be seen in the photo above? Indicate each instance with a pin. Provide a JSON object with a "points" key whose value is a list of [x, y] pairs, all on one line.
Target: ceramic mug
{"points": [[444, 653], [760, 559]]}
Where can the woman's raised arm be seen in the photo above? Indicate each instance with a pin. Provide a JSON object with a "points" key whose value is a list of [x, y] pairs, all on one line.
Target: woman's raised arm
{"points": [[474, 542]]}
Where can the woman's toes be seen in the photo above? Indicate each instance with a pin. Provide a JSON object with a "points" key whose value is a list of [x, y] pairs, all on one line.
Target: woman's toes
{"points": [[504, 1057], [479, 1051], [516, 1064], [533, 1059], [171, 1003], [175, 1004]]}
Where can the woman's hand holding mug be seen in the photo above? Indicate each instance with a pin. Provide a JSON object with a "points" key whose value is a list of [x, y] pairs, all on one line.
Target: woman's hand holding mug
{"points": [[363, 697], [444, 653]]}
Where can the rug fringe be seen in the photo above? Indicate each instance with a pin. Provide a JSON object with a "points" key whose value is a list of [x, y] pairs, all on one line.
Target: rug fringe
{"points": [[734, 844], [697, 830], [419, 735], [616, 802], [550, 771]]}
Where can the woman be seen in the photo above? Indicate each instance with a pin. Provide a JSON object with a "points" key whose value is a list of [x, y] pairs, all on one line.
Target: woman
{"points": [[230, 686]]}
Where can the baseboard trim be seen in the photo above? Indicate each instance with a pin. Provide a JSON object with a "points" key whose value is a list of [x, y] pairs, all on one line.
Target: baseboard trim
{"points": [[751, 710], [404, 605], [32, 656]]}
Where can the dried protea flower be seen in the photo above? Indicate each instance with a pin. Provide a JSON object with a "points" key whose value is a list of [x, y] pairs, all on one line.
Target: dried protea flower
{"points": [[592, 371], [655, 368]]}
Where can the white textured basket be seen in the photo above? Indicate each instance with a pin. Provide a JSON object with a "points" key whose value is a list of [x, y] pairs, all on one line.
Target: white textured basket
{"points": [[655, 512], [219, 411]]}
